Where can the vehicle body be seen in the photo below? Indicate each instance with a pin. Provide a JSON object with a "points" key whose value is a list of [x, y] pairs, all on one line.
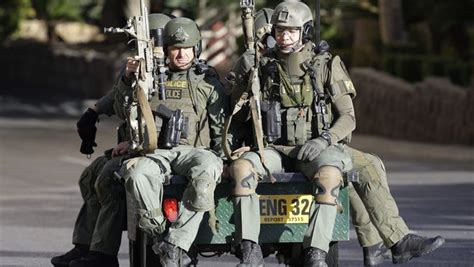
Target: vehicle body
{"points": [[284, 209]]}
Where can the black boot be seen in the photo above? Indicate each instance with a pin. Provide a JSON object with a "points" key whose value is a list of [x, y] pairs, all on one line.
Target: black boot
{"points": [[171, 255], [251, 254], [411, 246], [95, 259], [77, 252], [315, 257], [376, 254]]}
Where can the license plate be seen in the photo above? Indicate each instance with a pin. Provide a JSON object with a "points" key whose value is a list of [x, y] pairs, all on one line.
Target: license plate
{"points": [[284, 209]]}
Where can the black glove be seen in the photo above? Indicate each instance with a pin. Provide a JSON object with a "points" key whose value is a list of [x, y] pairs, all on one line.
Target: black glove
{"points": [[312, 148], [244, 65], [87, 130]]}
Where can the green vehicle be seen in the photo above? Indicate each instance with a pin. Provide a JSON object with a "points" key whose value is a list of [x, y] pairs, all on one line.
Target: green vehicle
{"points": [[284, 215]]}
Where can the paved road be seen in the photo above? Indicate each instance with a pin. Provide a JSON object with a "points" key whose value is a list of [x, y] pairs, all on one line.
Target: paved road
{"points": [[39, 196]]}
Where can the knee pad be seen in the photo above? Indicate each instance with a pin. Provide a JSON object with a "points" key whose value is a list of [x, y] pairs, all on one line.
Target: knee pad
{"points": [[199, 194], [328, 179], [244, 177]]}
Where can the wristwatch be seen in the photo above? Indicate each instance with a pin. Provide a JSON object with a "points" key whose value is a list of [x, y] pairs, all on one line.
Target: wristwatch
{"points": [[326, 136]]}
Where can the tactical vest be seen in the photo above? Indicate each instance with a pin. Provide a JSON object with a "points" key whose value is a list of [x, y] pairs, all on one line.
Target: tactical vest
{"points": [[298, 84], [182, 93]]}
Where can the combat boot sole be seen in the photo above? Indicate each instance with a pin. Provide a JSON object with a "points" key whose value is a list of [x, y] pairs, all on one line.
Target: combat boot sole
{"points": [[406, 256]]}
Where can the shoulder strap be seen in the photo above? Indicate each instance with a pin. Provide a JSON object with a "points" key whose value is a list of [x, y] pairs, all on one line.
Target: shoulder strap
{"points": [[151, 144]]}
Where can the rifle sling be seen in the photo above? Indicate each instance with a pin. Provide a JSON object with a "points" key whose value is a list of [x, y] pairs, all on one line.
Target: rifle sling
{"points": [[237, 108], [259, 138], [145, 111]]}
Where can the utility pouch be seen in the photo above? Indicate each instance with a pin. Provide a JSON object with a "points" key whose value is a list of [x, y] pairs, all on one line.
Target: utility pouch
{"points": [[296, 133], [300, 127]]}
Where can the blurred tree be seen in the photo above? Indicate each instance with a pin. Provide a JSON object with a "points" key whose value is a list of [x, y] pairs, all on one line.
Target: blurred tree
{"points": [[11, 14], [448, 22], [391, 22], [53, 11]]}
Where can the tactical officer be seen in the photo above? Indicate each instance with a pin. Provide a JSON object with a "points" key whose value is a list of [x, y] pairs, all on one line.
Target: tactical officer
{"points": [[313, 127], [98, 228], [373, 175], [194, 91], [374, 252]]}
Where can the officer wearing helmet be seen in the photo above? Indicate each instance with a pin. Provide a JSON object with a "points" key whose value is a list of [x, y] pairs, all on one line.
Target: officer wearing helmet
{"points": [[314, 91], [194, 89], [98, 228]]}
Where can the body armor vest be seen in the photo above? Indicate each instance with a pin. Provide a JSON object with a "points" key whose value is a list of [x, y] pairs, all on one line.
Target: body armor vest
{"points": [[181, 93], [306, 107]]}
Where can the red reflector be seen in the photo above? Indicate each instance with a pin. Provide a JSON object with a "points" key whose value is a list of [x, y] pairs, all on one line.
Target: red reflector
{"points": [[170, 208]]}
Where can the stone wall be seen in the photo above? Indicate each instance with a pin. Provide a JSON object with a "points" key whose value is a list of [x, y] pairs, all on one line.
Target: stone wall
{"points": [[40, 69], [431, 111]]}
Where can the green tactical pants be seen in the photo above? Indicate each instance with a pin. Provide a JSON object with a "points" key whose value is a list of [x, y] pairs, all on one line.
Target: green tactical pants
{"points": [[374, 212], [144, 178], [322, 217], [102, 216]]}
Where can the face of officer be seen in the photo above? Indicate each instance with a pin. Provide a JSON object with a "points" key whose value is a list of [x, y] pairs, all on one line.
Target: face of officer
{"points": [[287, 38], [180, 58]]}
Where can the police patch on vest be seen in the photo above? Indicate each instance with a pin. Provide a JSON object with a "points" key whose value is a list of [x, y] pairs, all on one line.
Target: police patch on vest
{"points": [[174, 89], [174, 93]]}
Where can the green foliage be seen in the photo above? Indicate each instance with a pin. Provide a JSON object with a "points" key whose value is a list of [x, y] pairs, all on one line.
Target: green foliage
{"points": [[417, 67], [448, 21], [433, 66], [389, 63], [408, 67], [459, 72], [57, 9], [11, 14]]}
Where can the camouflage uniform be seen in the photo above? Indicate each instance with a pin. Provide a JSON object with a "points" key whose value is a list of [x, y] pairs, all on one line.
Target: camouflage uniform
{"points": [[200, 96], [374, 212], [286, 78], [98, 223], [102, 217]]}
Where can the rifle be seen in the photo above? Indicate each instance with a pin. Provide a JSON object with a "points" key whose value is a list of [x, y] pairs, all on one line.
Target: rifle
{"points": [[140, 123], [248, 11]]}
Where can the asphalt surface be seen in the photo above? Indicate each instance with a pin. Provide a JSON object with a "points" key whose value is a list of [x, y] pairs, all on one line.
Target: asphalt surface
{"points": [[39, 196]]}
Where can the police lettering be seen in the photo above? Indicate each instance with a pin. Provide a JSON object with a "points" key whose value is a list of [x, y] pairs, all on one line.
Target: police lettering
{"points": [[183, 84], [173, 93]]}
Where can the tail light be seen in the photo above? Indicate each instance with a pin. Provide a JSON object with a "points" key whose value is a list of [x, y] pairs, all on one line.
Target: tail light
{"points": [[170, 208]]}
